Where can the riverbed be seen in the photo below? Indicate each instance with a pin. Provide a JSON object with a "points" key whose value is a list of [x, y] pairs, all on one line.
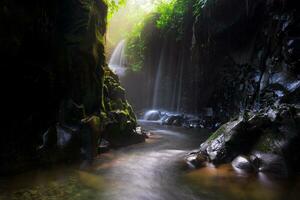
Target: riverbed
{"points": [[154, 170]]}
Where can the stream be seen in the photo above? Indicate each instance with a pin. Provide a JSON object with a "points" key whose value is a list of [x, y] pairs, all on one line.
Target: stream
{"points": [[153, 170]]}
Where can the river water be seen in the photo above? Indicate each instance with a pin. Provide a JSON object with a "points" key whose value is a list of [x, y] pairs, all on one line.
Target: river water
{"points": [[153, 170]]}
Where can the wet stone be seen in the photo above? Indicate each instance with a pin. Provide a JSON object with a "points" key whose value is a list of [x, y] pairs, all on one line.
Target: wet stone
{"points": [[243, 163], [195, 159]]}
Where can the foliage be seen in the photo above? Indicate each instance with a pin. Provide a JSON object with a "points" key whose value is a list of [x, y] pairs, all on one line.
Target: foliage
{"points": [[197, 7], [113, 6], [171, 15], [136, 46], [126, 19]]}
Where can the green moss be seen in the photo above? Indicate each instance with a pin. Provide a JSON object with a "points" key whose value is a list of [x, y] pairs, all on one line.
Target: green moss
{"points": [[76, 185], [269, 142], [113, 6], [217, 133], [96, 122], [116, 104], [120, 119]]}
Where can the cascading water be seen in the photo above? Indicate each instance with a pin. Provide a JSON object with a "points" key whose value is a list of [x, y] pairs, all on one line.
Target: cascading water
{"points": [[117, 62], [157, 84], [180, 86], [168, 81]]}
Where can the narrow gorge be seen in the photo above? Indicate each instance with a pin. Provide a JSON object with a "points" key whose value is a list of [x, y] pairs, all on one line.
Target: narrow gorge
{"points": [[150, 99]]}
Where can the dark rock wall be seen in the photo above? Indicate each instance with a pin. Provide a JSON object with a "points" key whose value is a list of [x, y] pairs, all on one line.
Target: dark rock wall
{"points": [[230, 54], [239, 44], [248, 55], [53, 56], [242, 59]]}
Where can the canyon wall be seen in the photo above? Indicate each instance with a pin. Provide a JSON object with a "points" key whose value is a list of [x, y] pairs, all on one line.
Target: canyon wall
{"points": [[57, 90], [227, 57], [241, 60]]}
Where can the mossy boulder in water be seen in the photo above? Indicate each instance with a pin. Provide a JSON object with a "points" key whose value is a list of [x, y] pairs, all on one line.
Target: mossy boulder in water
{"points": [[121, 121], [224, 144], [263, 141], [116, 124]]}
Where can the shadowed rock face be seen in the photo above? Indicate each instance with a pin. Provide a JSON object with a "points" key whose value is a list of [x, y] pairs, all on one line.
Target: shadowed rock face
{"points": [[240, 58], [235, 55], [253, 77], [270, 142], [53, 55]]}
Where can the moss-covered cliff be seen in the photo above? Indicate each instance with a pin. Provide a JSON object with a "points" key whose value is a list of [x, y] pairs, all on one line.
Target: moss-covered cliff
{"points": [[57, 90]]}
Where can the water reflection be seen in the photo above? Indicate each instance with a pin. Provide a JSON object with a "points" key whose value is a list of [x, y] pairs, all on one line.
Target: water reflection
{"points": [[65, 183], [150, 171], [227, 183]]}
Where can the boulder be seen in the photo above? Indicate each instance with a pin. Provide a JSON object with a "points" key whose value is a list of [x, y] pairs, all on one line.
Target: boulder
{"points": [[243, 163], [269, 162], [60, 143], [152, 115], [225, 144], [172, 119], [266, 141], [120, 120], [195, 159]]}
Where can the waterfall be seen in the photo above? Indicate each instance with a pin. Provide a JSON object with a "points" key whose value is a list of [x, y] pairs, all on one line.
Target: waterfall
{"points": [[180, 85], [157, 83], [117, 62], [168, 85]]}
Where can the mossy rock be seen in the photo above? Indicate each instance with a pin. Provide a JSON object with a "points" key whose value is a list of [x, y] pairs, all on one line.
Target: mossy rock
{"points": [[117, 104], [120, 119], [228, 141], [118, 93], [217, 133], [270, 142]]}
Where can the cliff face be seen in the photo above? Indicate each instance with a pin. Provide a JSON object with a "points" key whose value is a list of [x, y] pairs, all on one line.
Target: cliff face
{"points": [[240, 58], [248, 53], [53, 55], [227, 57]]}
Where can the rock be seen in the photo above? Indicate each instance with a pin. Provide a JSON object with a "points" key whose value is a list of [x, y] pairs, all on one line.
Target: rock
{"points": [[195, 159], [178, 121], [141, 132], [270, 142], [60, 76], [120, 126], [286, 80], [103, 146], [191, 123], [60, 143], [171, 119], [224, 144], [92, 130], [271, 138], [152, 115], [120, 131], [268, 162], [243, 163], [291, 50]]}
